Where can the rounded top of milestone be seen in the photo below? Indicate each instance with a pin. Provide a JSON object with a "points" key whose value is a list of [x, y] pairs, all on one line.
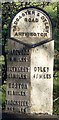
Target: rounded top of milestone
{"points": [[31, 26]]}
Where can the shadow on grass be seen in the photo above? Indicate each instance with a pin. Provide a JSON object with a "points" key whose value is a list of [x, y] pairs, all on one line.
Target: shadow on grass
{"points": [[56, 103]]}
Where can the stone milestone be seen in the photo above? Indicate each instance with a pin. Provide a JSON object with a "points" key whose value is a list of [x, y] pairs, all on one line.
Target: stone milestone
{"points": [[30, 63]]}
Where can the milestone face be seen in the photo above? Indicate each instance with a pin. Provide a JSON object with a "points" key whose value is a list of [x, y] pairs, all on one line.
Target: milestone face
{"points": [[31, 26], [30, 66]]}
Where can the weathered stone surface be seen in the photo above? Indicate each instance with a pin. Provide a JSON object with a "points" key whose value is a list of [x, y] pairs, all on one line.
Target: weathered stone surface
{"points": [[30, 63], [42, 78], [18, 78], [31, 26]]}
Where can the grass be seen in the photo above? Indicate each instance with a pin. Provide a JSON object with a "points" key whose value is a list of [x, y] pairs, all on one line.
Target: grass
{"points": [[56, 93]]}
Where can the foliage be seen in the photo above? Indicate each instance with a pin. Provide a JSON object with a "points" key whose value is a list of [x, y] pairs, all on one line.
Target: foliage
{"points": [[56, 84], [3, 95], [56, 92]]}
